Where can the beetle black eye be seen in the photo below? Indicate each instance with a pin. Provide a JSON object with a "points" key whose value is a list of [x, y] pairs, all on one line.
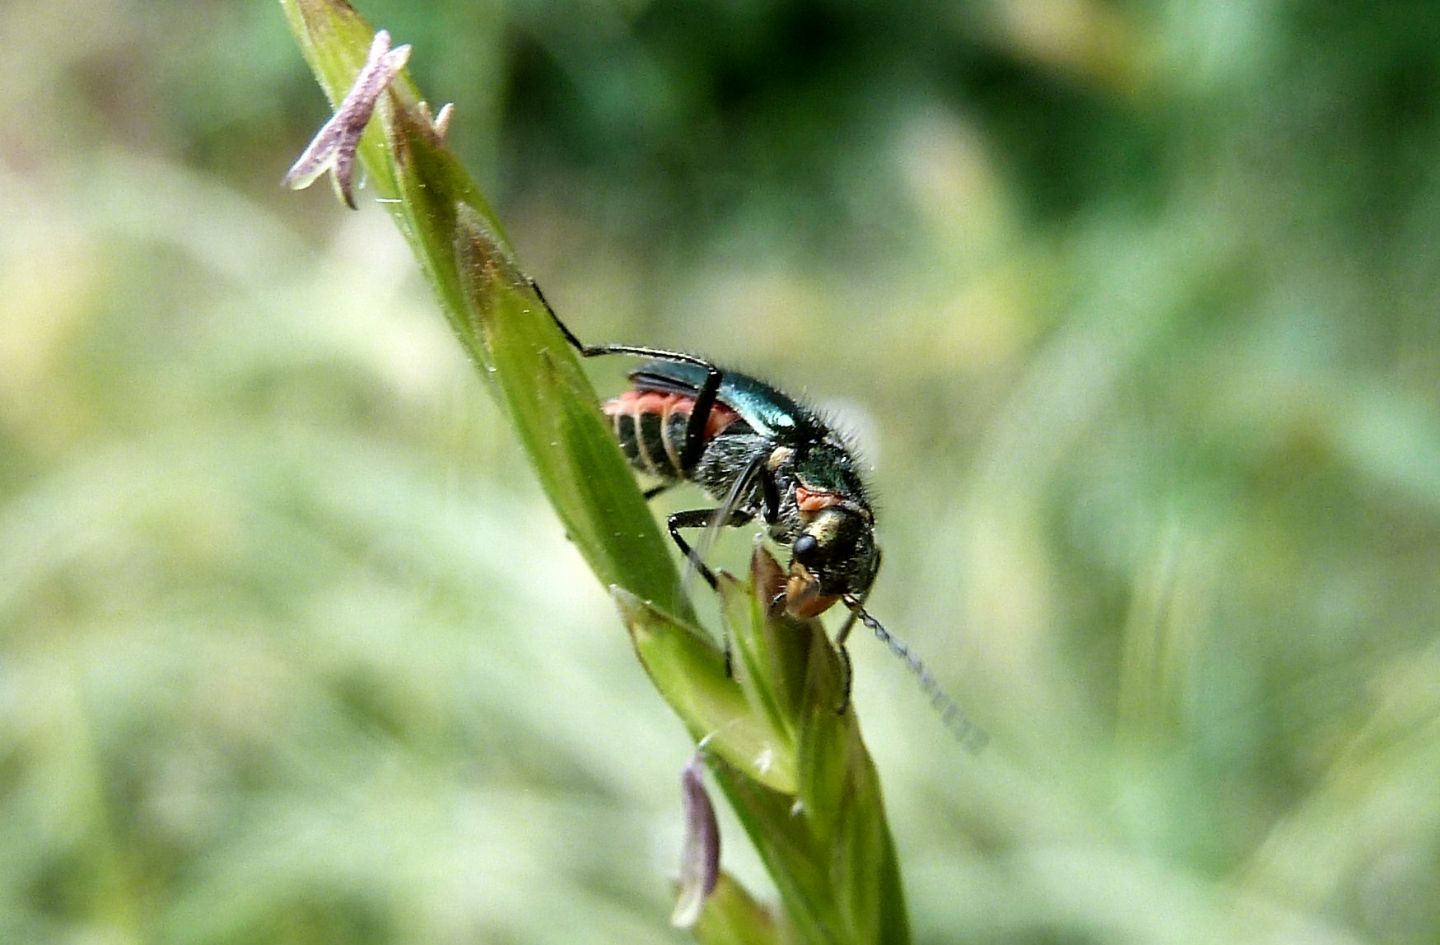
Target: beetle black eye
{"points": [[806, 549]]}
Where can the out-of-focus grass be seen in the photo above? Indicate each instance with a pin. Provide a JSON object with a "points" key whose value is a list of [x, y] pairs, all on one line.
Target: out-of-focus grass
{"points": [[1141, 309]]}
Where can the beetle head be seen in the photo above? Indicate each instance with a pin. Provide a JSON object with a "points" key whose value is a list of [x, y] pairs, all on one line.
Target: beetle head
{"points": [[834, 555]]}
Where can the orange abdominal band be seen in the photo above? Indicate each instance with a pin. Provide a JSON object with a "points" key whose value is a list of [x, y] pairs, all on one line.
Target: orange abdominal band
{"points": [[639, 402]]}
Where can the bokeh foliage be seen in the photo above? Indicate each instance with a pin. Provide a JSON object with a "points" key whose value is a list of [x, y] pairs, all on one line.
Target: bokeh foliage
{"points": [[1134, 304]]}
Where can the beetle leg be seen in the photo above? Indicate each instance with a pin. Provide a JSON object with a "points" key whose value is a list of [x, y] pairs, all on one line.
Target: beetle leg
{"points": [[736, 509], [840, 637], [770, 496], [704, 398], [703, 518], [699, 418], [846, 675], [844, 630], [854, 607], [592, 351], [707, 519], [845, 671], [653, 491]]}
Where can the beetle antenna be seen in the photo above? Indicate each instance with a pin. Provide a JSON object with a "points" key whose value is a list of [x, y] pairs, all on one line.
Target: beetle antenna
{"points": [[965, 729]]}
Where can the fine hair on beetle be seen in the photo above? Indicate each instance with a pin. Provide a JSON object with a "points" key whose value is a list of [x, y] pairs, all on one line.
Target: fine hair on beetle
{"points": [[760, 454]]}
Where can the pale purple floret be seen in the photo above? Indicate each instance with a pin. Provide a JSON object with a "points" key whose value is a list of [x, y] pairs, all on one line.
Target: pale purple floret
{"points": [[700, 853], [333, 147]]}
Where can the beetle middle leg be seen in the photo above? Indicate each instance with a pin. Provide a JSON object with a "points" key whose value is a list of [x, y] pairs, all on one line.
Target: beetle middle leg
{"points": [[707, 518], [704, 518]]}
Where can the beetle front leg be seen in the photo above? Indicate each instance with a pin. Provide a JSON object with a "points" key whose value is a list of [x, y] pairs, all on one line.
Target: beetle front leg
{"points": [[846, 672], [855, 606]]}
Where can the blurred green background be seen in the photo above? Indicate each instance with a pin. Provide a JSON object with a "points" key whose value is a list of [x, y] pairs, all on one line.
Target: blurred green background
{"points": [[1132, 306]]}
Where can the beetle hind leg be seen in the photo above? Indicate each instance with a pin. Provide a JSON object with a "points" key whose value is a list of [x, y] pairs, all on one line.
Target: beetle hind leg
{"points": [[704, 397]]}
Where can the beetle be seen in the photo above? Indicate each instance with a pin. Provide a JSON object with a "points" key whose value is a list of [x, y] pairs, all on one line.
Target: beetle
{"points": [[760, 453]]}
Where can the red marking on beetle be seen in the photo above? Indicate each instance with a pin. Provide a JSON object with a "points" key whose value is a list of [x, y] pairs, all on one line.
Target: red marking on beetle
{"points": [[813, 500], [637, 402]]}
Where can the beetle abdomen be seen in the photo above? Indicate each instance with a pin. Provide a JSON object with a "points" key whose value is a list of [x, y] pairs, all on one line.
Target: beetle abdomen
{"points": [[650, 427]]}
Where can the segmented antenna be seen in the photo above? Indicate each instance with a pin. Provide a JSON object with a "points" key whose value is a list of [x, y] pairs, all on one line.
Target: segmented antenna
{"points": [[965, 730]]}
